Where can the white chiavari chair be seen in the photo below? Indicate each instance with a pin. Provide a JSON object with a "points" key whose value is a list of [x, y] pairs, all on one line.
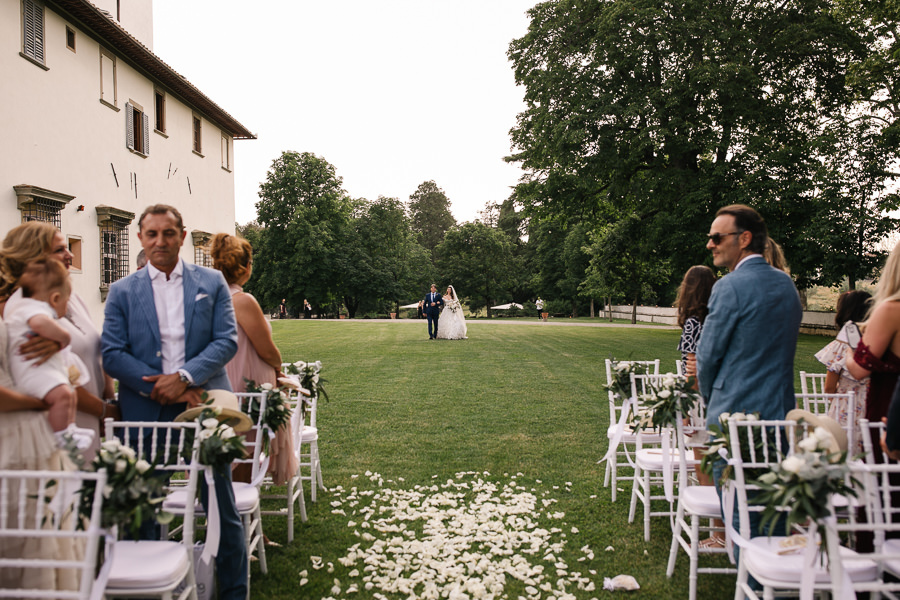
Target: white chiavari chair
{"points": [[40, 537], [620, 437]]}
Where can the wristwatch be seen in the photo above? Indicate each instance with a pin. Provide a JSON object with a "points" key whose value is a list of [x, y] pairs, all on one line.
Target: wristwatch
{"points": [[185, 377]]}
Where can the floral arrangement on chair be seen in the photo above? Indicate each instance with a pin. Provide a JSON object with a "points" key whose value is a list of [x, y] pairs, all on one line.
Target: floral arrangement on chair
{"points": [[133, 492], [659, 408], [308, 374], [801, 485], [720, 439], [621, 376], [278, 409], [219, 443]]}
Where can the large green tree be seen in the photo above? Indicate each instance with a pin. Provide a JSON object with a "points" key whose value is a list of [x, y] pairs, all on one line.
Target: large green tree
{"points": [[429, 209], [305, 213], [665, 111], [478, 261]]}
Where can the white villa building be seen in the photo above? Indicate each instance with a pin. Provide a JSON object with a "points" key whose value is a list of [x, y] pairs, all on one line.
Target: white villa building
{"points": [[94, 127]]}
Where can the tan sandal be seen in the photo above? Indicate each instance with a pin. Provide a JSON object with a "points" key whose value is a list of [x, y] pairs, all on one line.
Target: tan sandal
{"points": [[711, 543]]}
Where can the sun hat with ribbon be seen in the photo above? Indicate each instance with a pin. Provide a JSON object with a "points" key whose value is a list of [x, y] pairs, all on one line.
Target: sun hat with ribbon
{"points": [[838, 441], [227, 408]]}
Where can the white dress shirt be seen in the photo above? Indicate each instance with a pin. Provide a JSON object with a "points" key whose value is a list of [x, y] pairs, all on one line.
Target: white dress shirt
{"points": [[168, 296]]}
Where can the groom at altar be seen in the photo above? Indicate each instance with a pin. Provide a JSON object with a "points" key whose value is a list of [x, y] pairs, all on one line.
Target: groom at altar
{"points": [[433, 304]]}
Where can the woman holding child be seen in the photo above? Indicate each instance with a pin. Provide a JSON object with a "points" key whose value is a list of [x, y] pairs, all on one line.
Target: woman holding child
{"points": [[26, 439], [36, 240]]}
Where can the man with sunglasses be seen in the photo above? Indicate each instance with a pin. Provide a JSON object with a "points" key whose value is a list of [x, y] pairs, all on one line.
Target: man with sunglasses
{"points": [[745, 356]]}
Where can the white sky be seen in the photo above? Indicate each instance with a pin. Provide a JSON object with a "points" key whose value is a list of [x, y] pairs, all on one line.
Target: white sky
{"points": [[390, 92]]}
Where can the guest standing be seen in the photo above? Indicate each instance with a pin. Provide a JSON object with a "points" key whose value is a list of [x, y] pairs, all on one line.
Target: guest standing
{"points": [[745, 358], [37, 239], [257, 358], [852, 307], [878, 352], [168, 334]]}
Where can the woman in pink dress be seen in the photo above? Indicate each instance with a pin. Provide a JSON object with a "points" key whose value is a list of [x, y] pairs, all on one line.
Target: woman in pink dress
{"points": [[257, 358]]}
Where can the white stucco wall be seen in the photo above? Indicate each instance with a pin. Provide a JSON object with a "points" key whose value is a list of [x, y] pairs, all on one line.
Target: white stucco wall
{"points": [[56, 134], [136, 16]]}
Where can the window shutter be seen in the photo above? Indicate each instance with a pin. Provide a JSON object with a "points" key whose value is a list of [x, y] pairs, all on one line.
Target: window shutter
{"points": [[33, 17], [129, 125], [145, 121]]}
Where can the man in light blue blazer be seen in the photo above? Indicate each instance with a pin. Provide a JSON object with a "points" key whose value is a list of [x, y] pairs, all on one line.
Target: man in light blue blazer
{"points": [[168, 332], [745, 356]]}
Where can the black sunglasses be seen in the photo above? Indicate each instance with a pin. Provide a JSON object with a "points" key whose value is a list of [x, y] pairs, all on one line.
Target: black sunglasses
{"points": [[716, 238]]}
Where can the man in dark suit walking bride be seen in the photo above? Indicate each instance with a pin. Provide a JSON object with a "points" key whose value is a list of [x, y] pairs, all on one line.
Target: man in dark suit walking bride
{"points": [[434, 302]]}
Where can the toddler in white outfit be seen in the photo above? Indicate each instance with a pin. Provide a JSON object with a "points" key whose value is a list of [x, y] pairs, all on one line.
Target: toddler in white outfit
{"points": [[44, 290]]}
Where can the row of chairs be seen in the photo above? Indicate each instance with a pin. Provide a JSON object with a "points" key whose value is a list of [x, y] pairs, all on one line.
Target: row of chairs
{"points": [[661, 467], [43, 505]]}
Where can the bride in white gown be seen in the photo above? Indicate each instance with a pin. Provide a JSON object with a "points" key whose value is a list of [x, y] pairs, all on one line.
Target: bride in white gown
{"points": [[452, 323]]}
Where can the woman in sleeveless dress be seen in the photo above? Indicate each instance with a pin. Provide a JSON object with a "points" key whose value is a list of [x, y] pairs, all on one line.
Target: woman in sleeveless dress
{"points": [[452, 322], [257, 358], [27, 443], [878, 352]]}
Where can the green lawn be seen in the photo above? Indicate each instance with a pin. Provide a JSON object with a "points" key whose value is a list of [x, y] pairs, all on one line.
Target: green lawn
{"points": [[513, 398]]}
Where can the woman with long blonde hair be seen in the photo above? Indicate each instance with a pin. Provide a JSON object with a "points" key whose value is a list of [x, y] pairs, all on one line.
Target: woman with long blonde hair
{"points": [[37, 240], [878, 352]]}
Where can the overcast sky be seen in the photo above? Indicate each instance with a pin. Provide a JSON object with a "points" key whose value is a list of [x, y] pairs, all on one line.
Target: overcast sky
{"points": [[392, 93]]}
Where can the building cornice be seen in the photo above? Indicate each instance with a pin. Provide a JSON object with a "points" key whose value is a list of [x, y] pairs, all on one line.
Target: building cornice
{"points": [[125, 45]]}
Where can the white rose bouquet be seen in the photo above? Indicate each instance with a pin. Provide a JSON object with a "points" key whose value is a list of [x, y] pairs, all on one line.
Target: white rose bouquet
{"points": [[659, 408], [720, 438], [133, 491], [278, 410], [621, 376], [801, 485], [308, 374], [219, 444]]}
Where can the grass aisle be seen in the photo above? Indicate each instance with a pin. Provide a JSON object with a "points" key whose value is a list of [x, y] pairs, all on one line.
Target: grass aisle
{"points": [[511, 399]]}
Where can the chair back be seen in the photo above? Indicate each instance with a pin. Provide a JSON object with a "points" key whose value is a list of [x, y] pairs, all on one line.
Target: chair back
{"points": [[39, 531], [165, 445], [821, 404], [812, 383], [875, 569], [255, 441], [615, 402], [756, 446]]}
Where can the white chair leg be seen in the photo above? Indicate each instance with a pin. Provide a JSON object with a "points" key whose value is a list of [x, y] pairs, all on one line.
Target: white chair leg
{"points": [[673, 548], [634, 493], [261, 544], [694, 557], [612, 465], [646, 481], [606, 475]]}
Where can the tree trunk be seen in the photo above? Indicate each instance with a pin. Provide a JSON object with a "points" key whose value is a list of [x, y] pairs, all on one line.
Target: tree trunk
{"points": [[634, 311], [592, 308], [609, 307]]}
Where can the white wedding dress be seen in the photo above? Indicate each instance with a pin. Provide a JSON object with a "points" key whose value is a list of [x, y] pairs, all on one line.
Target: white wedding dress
{"points": [[452, 323]]}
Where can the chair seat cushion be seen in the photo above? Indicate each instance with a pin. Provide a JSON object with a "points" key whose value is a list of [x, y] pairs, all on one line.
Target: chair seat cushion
{"points": [[147, 565], [630, 437], [701, 500], [652, 459], [764, 563], [309, 434], [246, 497]]}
